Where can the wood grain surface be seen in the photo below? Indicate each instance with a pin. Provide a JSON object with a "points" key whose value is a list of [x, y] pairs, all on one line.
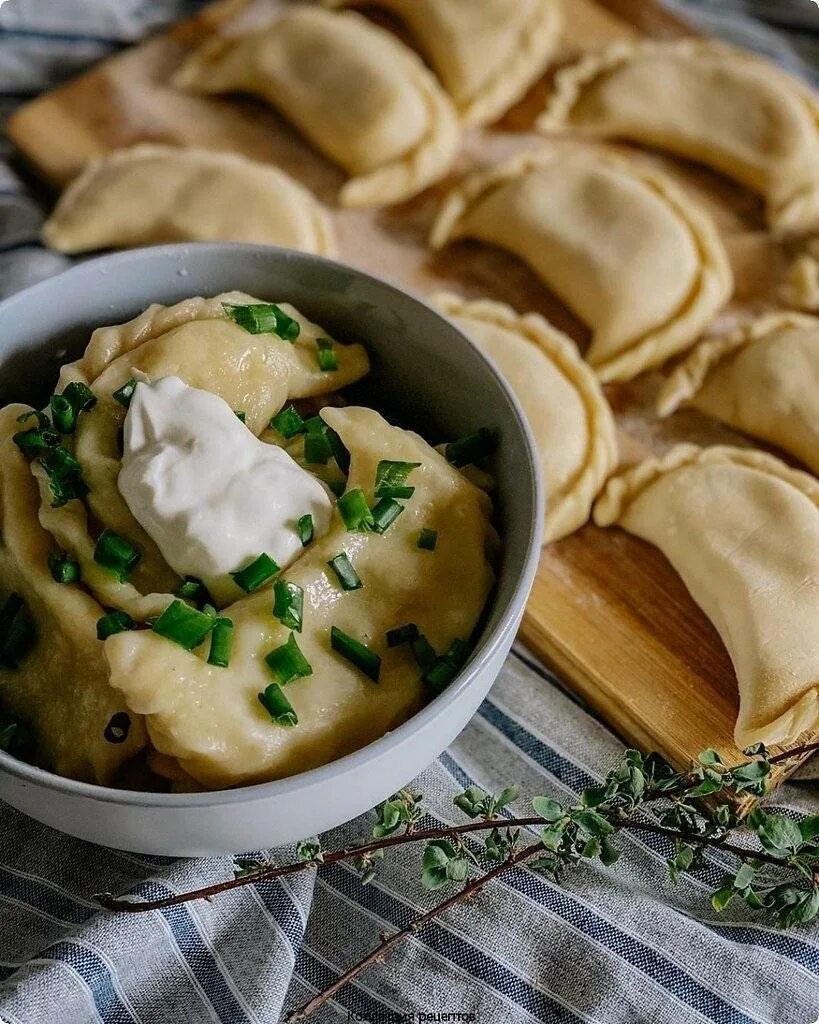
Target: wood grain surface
{"points": [[607, 610]]}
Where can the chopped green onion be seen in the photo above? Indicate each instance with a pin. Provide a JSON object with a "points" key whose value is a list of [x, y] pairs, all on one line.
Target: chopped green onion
{"points": [[347, 576], [208, 609], [240, 415], [356, 653], [63, 414], [458, 653], [64, 476], [391, 478], [326, 356], [471, 449], [63, 568], [17, 738], [221, 642], [278, 706], [441, 674], [119, 725], [385, 512], [288, 663], [354, 510], [305, 529], [428, 539], [18, 633], [183, 625], [36, 440], [402, 635], [124, 394], [318, 448], [340, 453], [192, 589], [337, 486], [260, 571], [263, 318], [41, 417], [81, 397], [116, 554], [424, 652], [114, 622], [288, 604], [288, 422]]}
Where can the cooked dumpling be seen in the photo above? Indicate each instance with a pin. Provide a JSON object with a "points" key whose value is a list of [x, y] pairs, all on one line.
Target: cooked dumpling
{"points": [[196, 341], [569, 415], [152, 194], [61, 686], [742, 530], [763, 379], [708, 102], [486, 54], [800, 287], [210, 719], [358, 94], [619, 244]]}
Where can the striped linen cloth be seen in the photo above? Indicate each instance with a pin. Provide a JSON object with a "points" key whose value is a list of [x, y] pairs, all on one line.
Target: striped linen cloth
{"points": [[608, 946]]}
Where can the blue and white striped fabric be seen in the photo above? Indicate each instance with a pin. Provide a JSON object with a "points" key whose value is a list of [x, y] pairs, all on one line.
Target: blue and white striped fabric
{"points": [[616, 946]]}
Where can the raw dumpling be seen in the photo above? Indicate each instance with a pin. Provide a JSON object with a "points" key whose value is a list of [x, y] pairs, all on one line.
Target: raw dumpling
{"points": [[708, 102], [152, 194], [763, 379], [189, 704], [569, 415], [742, 530], [196, 341], [619, 244], [486, 54], [61, 687], [358, 94]]}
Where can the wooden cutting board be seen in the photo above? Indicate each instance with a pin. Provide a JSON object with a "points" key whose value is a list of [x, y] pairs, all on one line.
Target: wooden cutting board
{"points": [[607, 610]]}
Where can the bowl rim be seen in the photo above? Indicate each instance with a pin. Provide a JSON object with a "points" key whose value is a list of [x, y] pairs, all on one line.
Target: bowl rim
{"points": [[489, 644]]}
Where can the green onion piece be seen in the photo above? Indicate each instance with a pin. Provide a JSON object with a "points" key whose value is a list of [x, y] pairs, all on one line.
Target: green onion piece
{"points": [[471, 449], [326, 356], [288, 663], [347, 576], [114, 622], [340, 453], [441, 674], [193, 589], [119, 725], [63, 568], [241, 416], [385, 512], [263, 318], [402, 635], [337, 486], [17, 738], [18, 633], [255, 575], [116, 554], [278, 706], [288, 422], [356, 653], [63, 414], [208, 609], [458, 653], [354, 510], [36, 440], [64, 476], [427, 539], [81, 397], [221, 642], [288, 604], [391, 478], [41, 417], [183, 625], [424, 652], [318, 448], [124, 394], [305, 529]]}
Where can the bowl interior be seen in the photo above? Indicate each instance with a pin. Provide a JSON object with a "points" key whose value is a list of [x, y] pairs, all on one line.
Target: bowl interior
{"points": [[425, 373]]}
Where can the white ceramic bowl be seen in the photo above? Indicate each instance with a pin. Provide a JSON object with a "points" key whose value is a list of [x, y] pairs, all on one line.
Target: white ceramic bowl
{"points": [[425, 371]]}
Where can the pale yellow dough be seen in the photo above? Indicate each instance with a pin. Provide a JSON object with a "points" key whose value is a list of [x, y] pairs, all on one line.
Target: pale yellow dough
{"points": [[742, 530], [708, 102], [357, 93], [210, 719], [762, 378], [151, 194], [563, 401], [619, 243], [486, 54]]}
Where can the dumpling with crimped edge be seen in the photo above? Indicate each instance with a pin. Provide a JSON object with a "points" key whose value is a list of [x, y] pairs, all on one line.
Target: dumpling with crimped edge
{"points": [[563, 401], [358, 94], [61, 687], [189, 703], [618, 243], [197, 341], [487, 54], [150, 194], [762, 378], [742, 530], [705, 101]]}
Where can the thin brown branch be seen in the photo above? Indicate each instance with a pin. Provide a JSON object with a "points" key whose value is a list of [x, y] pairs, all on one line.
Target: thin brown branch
{"points": [[389, 941], [787, 755], [672, 833]]}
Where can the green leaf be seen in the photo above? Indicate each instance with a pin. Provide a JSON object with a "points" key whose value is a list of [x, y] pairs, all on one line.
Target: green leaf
{"points": [[506, 797], [681, 861], [722, 897], [709, 757], [594, 796], [457, 869], [472, 801], [756, 749], [592, 848], [433, 878], [608, 852], [809, 827], [552, 837], [437, 853], [592, 822], [548, 809], [744, 876], [780, 834], [706, 788]]}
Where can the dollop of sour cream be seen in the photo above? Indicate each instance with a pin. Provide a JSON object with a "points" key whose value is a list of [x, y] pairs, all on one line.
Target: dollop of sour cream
{"points": [[210, 494]]}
